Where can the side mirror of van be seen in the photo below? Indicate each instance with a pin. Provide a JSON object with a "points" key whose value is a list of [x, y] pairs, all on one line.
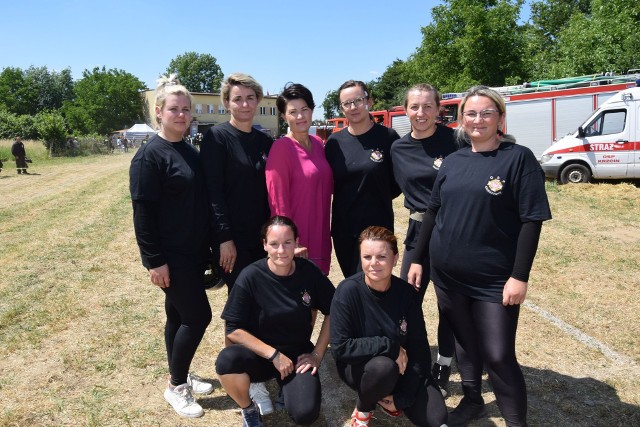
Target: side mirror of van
{"points": [[580, 132]]}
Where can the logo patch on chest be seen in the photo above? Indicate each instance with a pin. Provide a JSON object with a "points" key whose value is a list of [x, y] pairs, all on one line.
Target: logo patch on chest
{"points": [[377, 155], [306, 298], [437, 162], [495, 185], [403, 326]]}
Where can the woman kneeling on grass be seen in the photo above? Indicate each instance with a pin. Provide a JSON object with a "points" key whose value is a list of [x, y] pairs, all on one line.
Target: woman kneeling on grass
{"points": [[379, 339], [268, 320]]}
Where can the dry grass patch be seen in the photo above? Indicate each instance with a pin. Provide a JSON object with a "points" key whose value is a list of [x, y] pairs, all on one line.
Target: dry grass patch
{"points": [[81, 329]]}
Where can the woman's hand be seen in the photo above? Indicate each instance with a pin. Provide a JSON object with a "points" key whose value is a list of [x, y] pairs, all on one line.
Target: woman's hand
{"points": [[414, 277], [402, 360], [301, 252], [308, 361], [159, 276], [514, 292], [284, 365], [228, 255]]}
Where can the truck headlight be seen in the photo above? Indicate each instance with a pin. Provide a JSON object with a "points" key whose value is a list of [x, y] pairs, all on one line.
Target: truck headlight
{"points": [[545, 158]]}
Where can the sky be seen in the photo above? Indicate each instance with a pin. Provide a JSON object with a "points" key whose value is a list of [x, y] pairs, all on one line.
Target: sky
{"points": [[320, 44]]}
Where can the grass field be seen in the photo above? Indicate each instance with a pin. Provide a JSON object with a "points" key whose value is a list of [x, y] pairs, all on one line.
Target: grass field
{"points": [[81, 328]]}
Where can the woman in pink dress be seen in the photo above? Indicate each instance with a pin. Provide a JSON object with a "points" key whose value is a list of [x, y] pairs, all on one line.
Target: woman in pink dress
{"points": [[299, 179]]}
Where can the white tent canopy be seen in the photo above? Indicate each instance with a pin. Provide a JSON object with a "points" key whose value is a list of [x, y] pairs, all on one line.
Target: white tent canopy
{"points": [[139, 131]]}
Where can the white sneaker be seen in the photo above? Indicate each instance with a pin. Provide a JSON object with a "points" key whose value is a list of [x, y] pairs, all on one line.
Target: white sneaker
{"points": [[198, 385], [259, 394], [182, 401]]}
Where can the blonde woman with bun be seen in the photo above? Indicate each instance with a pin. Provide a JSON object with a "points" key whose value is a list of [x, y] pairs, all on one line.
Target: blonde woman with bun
{"points": [[171, 221]]}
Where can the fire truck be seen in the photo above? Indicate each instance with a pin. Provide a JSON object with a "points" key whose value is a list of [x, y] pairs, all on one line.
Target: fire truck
{"points": [[539, 113], [395, 118]]}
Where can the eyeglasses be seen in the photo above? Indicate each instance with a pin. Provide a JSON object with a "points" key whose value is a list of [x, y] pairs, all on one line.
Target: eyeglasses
{"points": [[484, 114], [358, 102]]}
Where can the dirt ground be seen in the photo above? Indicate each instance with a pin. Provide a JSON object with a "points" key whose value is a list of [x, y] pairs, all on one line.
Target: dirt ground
{"points": [[81, 328]]}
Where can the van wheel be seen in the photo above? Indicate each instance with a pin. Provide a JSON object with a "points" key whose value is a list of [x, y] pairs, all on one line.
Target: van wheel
{"points": [[575, 174]]}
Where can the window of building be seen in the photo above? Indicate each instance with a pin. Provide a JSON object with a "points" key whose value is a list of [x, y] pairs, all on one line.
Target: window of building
{"points": [[210, 109], [221, 109], [263, 111], [274, 111], [198, 108]]}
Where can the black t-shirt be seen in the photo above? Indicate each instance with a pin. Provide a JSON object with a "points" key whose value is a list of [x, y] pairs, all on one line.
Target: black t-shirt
{"points": [[365, 323], [481, 200], [277, 309], [170, 211], [234, 163], [416, 163], [364, 186]]}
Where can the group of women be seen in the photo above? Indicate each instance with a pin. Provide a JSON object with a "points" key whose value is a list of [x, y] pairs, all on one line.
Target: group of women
{"points": [[263, 208]]}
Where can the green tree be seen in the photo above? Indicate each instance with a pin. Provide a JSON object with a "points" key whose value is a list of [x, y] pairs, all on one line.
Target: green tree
{"points": [[13, 91], [331, 105], [389, 89], [106, 100], [469, 42], [605, 40], [35, 89], [197, 72], [53, 131]]}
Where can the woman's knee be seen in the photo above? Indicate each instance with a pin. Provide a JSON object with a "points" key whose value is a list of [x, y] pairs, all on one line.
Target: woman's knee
{"points": [[305, 413], [229, 361], [382, 367]]}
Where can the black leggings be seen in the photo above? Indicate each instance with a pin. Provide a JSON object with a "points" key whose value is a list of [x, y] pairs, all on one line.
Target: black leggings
{"points": [[347, 251], [301, 391], [377, 379], [188, 315], [446, 341], [486, 336]]}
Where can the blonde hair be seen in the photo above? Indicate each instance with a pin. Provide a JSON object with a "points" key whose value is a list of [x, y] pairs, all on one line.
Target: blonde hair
{"points": [[497, 99], [169, 85], [240, 79]]}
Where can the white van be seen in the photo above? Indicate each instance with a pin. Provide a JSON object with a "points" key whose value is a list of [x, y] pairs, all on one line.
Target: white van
{"points": [[606, 146]]}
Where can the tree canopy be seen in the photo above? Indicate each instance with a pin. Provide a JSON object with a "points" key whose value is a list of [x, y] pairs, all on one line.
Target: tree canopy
{"points": [[197, 72], [105, 100], [473, 42]]}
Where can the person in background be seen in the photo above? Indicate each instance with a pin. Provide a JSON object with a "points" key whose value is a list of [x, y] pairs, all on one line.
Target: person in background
{"points": [[234, 155], [19, 153], [481, 230], [268, 320], [364, 186], [299, 179], [379, 340], [171, 222], [417, 157]]}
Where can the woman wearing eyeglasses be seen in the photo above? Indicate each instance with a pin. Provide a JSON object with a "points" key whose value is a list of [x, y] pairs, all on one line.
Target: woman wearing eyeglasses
{"points": [[481, 230], [364, 186]]}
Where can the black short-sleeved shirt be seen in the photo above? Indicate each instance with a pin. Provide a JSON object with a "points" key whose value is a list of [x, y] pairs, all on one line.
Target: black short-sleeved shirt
{"points": [[416, 163], [234, 165], [277, 309], [364, 186], [365, 323], [170, 206], [481, 200]]}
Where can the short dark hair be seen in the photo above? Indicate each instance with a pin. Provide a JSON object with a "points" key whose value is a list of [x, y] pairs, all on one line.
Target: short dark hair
{"points": [[278, 220], [293, 91], [355, 83], [377, 233]]}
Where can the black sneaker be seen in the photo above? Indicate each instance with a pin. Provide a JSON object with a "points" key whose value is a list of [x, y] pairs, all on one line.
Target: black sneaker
{"points": [[251, 416], [465, 412], [441, 374]]}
